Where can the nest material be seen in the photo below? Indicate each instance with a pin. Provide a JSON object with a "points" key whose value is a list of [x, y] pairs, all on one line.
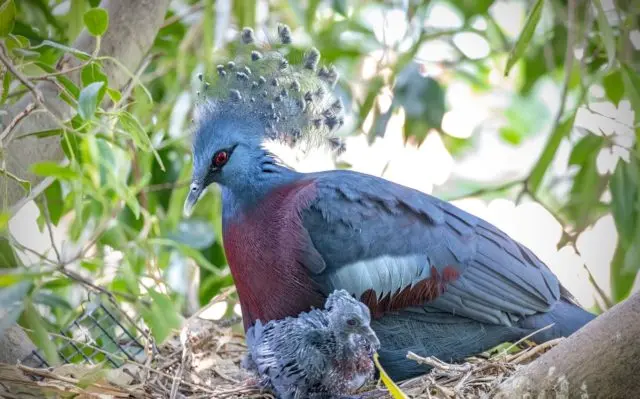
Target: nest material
{"points": [[203, 361]]}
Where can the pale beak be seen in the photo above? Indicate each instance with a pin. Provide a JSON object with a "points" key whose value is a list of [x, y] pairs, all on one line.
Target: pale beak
{"points": [[195, 191], [372, 338]]}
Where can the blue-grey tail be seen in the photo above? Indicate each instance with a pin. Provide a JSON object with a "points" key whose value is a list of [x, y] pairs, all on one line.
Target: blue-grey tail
{"points": [[565, 318], [453, 339]]}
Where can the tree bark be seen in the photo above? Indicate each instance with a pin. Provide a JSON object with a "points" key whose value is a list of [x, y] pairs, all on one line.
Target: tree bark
{"points": [[601, 360], [133, 27]]}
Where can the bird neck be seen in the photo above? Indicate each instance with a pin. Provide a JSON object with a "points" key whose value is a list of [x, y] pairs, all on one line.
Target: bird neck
{"points": [[247, 192]]}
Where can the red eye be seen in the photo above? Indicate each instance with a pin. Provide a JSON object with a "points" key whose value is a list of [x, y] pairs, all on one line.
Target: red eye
{"points": [[220, 158]]}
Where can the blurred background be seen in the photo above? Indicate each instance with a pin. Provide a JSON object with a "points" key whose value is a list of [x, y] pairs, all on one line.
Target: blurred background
{"points": [[521, 112]]}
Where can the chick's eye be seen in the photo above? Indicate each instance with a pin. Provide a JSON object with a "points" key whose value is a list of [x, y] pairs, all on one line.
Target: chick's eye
{"points": [[220, 158], [352, 322]]}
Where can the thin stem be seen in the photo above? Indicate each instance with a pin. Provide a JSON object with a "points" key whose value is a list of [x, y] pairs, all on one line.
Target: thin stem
{"points": [[47, 218]]}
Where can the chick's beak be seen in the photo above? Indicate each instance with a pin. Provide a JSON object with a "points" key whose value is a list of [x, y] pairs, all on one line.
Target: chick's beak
{"points": [[195, 191], [372, 338]]}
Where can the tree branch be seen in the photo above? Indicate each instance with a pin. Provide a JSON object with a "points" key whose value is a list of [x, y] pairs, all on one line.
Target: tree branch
{"points": [[600, 360]]}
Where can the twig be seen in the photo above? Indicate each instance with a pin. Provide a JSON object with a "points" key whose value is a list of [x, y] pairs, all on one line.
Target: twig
{"points": [[166, 186], [16, 120], [526, 355], [47, 218], [607, 302], [113, 390], [568, 61], [35, 191], [25, 81], [439, 364], [487, 190], [48, 76], [504, 352], [126, 360], [172, 20]]}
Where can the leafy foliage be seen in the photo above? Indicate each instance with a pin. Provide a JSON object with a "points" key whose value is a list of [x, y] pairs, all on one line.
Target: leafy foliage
{"points": [[119, 195]]}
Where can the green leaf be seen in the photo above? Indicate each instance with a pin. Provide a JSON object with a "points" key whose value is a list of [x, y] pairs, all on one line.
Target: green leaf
{"points": [[607, 34], [93, 73], [75, 18], [8, 256], [55, 201], [178, 196], [549, 152], [139, 136], [588, 185], [114, 94], [42, 134], [340, 6], [78, 53], [7, 17], [310, 13], [614, 86], [40, 335], [624, 196], [4, 221], [632, 86], [421, 97], [51, 300], [168, 308], [153, 317], [525, 35], [135, 130], [588, 146], [15, 293], [26, 184], [631, 263], [471, 8], [374, 89], [212, 285], [194, 254], [67, 83], [89, 98], [97, 21], [245, 12], [625, 207], [510, 135], [621, 281], [48, 168], [161, 316]]}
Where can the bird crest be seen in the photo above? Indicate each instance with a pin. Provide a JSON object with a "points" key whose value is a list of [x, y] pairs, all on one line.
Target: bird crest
{"points": [[294, 102]]}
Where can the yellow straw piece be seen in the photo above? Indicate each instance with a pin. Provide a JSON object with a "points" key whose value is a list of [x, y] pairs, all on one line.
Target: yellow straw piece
{"points": [[394, 390]]}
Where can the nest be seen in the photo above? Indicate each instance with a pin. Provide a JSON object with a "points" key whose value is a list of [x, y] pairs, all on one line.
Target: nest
{"points": [[203, 361]]}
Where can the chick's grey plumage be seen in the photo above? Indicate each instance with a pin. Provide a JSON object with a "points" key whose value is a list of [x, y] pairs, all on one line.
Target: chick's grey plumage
{"points": [[319, 354]]}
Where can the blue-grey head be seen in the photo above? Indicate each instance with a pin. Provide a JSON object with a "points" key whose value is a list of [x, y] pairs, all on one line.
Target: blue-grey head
{"points": [[351, 320], [256, 98]]}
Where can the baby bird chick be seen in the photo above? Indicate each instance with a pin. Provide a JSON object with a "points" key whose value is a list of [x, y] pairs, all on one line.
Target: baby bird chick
{"points": [[319, 354]]}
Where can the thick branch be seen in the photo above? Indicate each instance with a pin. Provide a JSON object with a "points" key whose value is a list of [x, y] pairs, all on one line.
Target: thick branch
{"points": [[601, 359], [133, 27]]}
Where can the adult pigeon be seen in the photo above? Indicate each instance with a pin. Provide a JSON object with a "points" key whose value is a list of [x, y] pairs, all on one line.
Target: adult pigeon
{"points": [[438, 281], [319, 354]]}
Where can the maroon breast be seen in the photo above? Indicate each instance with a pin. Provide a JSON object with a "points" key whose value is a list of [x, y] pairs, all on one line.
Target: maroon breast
{"points": [[262, 246]]}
